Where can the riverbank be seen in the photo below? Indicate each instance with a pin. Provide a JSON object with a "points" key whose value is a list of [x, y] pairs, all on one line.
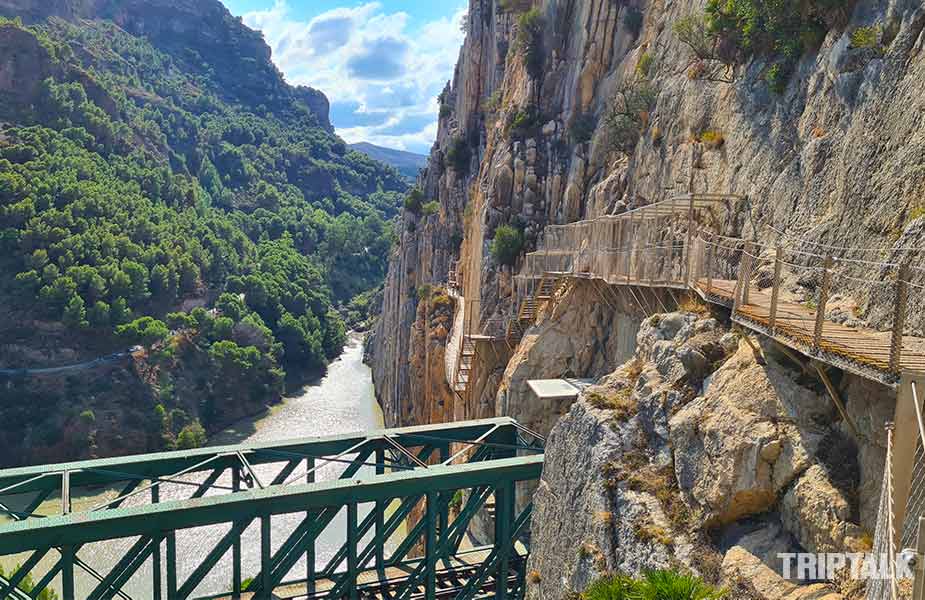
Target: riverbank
{"points": [[342, 401]]}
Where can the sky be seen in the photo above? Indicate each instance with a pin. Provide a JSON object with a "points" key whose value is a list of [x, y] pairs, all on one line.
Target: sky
{"points": [[380, 63]]}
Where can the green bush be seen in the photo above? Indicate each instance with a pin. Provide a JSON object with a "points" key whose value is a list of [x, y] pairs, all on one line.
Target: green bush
{"points": [[507, 245], [777, 77], [644, 66], [611, 587], [668, 585], [582, 128], [431, 208], [781, 30], [529, 41], [628, 115], [514, 6], [414, 200], [445, 111], [865, 37], [654, 585], [524, 123], [28, 584], [191, 436], [459, 155]]}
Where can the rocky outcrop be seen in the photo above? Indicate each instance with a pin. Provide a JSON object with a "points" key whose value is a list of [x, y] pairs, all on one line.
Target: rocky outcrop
{"points": [[704, 450], [24, 64], [747, 438]]}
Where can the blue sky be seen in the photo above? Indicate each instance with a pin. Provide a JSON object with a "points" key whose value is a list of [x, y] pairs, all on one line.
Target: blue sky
{"points": [[381, 63]]}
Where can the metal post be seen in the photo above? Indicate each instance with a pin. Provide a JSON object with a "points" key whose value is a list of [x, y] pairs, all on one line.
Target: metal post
{"points": [[749, 262], [310, 547], [710, 252], [65, 492], [630, 238], [504, 519], [266, 564], [380, 514], [671, 234], [775, 289], [900, 303], [918, 585], [236, 544], [823, 300], [156, 555], [171, 565], [430, 547], [444, 516], [690, 239], [352, 549], [67, 573]]}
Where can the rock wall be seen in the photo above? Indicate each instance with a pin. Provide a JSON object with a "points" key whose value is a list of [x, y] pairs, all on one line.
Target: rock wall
{"points": [[835, 156], [705, 450]]}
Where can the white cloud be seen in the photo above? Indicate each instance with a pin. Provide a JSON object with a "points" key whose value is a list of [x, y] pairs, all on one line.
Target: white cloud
{"points": [[382, 77]]}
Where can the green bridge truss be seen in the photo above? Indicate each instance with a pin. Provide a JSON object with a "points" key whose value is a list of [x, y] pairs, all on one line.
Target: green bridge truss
{"points": [[409, 498]]}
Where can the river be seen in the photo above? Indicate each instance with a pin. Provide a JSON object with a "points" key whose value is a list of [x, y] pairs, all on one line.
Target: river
{"points": [[341, 402]]}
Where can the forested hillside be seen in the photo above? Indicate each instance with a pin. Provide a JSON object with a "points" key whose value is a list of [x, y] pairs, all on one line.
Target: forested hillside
{"points": [[178, 194]]}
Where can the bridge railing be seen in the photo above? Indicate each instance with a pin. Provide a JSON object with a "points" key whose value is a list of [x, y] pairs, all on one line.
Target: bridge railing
{"points": [[397, 502]]}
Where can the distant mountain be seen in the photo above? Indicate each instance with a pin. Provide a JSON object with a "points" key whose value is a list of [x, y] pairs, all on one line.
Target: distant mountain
{"points": [[408, 164]]}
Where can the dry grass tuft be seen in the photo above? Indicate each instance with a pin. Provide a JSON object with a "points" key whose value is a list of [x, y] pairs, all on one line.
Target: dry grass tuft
{"points": [[694, 304], [712, 139], [647, 531], [603, 517], [620, 402]]}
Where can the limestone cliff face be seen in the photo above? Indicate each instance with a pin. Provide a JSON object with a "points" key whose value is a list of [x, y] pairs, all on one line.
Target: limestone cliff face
{"points": [[836, 156], [709, 451], [699, 431]]}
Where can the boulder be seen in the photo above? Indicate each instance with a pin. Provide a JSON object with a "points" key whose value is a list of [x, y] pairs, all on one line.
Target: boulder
{"points": [[738, 447], [819, 515]]}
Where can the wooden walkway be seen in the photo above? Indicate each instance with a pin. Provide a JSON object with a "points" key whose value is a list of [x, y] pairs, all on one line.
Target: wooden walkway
{"points": [[863, 351], [665, 246]]}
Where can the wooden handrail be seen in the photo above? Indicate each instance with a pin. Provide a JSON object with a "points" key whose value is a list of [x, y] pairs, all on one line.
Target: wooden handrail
{"points": [[899, 318], [822, 300]]}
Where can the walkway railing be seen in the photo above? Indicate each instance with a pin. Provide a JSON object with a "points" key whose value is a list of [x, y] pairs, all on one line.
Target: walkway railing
{"points": [[407, 497]]}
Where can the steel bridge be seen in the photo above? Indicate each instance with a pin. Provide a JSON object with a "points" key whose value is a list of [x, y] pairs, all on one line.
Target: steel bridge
{"points": [[401, 505]]}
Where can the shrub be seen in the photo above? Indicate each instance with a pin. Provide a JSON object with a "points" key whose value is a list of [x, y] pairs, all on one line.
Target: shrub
{"points": [[712, 138], [628, 115], [780, 30], [88, 416], [524, 122], [507, 245], [414, 200], [644, 66], [445, 111], [431, 208], [514, 6], [529, 41], [191, 436], [582, 128], [865, 37], [611, 587], [915, 213], [668, 585], [459, 155], [777, 77]]}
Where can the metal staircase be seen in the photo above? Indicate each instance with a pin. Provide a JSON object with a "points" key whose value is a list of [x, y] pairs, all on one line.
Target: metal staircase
{"points": [[464, 366]]}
